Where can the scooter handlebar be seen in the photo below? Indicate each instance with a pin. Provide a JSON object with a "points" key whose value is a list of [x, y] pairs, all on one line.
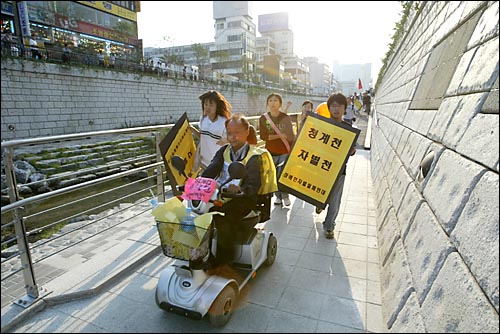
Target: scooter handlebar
{"points": [[232, 195]]}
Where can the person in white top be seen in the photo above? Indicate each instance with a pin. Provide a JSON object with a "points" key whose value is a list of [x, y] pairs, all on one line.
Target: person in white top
{"points": [[349, 115], [216, 110]]}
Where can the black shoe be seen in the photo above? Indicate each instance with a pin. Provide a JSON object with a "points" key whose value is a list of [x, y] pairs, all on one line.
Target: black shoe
{"points": [[329, 234]]}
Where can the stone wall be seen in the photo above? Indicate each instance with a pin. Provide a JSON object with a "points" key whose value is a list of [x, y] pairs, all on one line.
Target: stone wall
{"points": [[435, 162], [44, 99]]}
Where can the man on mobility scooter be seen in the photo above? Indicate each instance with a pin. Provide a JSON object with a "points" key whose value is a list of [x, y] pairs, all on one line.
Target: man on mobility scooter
{"points": [[254, 187], [246, 180]]}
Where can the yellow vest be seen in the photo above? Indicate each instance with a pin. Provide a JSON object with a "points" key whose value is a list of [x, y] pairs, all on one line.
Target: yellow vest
{"points": [[267, 170]]}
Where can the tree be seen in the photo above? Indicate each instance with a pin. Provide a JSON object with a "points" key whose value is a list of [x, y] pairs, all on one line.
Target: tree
{"points": [[173, 59], [201, 54], [244, 67], [221, 56]]}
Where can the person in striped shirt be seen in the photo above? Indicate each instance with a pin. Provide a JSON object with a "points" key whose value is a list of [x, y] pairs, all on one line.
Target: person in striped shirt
{"points": [[212, 128]]}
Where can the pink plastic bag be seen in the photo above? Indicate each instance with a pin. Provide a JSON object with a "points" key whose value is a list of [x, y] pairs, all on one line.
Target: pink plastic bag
{"points": [[200, 189]]}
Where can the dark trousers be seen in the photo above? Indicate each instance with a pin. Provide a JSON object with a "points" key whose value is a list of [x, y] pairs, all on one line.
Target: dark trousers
{"points": [[229, 224]]}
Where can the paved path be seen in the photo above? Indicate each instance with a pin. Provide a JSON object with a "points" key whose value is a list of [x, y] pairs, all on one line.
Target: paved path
{"points": [[315, 285]]}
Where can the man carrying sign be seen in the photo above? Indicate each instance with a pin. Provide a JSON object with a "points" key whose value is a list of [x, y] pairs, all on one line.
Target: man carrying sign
{"points": [[337, 104]]}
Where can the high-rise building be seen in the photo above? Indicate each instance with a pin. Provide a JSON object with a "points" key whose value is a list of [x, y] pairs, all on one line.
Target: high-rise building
{"points": [[320, 76], [276, 27], [234, 50]]}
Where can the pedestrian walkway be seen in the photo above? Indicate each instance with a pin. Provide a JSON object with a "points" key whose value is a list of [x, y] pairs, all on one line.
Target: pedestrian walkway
{"points": [[315, 285]]}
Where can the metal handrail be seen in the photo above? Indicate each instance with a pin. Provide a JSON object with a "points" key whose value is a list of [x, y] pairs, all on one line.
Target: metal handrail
{"points": [[83, 135], [68, 189], [17, 204]]}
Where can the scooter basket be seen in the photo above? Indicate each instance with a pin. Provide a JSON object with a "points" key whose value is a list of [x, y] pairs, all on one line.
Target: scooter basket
{"points": [[183, 245]]}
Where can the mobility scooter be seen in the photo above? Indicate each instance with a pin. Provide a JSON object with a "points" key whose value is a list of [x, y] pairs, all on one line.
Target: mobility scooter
{"points": [[187, 288]]}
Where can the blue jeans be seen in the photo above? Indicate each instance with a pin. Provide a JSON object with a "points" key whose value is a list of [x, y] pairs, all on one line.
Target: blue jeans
{"points": [[334, 203], [279, 163]]}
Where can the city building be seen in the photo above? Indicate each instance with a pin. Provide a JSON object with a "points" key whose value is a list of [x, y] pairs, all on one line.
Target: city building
{"points": [[193, 55], [348, 76], [273, 70], [87, 26], [8, 17], [276, 27], [234, 51], [320, 76], [265, 47], [298, 78]]}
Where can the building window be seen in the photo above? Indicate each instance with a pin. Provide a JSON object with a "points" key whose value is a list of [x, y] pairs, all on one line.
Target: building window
{"points": [[233, 38], [234, 24]]}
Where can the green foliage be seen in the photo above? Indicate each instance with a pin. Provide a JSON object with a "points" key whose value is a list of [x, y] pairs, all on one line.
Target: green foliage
{"points": [[200, 53], [398, 33], [221, 56], [254, 91], [173, 59]]}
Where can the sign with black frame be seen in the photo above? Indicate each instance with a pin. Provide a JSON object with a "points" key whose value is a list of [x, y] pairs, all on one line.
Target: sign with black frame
{"points": [[178, 141], [319, 154]]}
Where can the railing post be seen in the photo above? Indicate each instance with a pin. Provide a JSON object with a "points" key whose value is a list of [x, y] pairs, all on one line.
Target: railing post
{"points": [[32, 290], [159, 174]]}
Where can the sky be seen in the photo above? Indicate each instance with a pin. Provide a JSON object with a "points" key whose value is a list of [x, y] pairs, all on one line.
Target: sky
{"points": [[350, 32]]}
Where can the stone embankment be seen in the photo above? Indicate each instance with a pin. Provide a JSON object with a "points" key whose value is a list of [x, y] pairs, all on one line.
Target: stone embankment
{"points": [[57, 166]]}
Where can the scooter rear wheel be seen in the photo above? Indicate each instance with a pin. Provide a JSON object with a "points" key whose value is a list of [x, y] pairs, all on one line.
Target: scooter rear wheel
{"points": [[272, 249], [223, 306]]}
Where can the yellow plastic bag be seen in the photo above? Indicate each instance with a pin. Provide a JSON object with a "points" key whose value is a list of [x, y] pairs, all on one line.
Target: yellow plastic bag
{"points": [[170, 211], [176, 242]]}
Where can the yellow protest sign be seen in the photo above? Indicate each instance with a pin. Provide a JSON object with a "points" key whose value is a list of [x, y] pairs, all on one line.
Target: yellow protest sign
{"points": [[358, 104], [317, 157], [178, 141]]}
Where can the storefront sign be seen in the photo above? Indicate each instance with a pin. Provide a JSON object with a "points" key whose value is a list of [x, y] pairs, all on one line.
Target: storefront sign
{"points": [[317, 157], [92, 29], [111, 8], [22, 10], [7, 8]]}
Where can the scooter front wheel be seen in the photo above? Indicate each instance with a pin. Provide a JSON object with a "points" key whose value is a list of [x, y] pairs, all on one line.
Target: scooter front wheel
{"points": [[223, 306]]}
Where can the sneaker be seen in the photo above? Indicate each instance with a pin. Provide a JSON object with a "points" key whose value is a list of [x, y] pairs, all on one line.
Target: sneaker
{"points": [[277, 201], [329, 234], [318, 210], [287, 202]]}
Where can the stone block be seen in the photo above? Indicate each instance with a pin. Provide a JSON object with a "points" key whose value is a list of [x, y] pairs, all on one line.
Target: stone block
{"points": [[388, 235], [427, 247], [465, 111], [409, 319], [449, 185], [396, 283], [487, 26], [476, 234], [399, 186], [456, 303], [480, 140], [412, 198]]}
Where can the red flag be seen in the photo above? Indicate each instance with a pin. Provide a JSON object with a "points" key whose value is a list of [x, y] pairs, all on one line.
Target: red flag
{"points": [[360, 85]]}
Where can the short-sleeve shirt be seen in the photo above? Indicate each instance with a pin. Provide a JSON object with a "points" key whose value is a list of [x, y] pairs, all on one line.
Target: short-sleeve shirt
{"points": [[284, 124], [210, 133]]}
